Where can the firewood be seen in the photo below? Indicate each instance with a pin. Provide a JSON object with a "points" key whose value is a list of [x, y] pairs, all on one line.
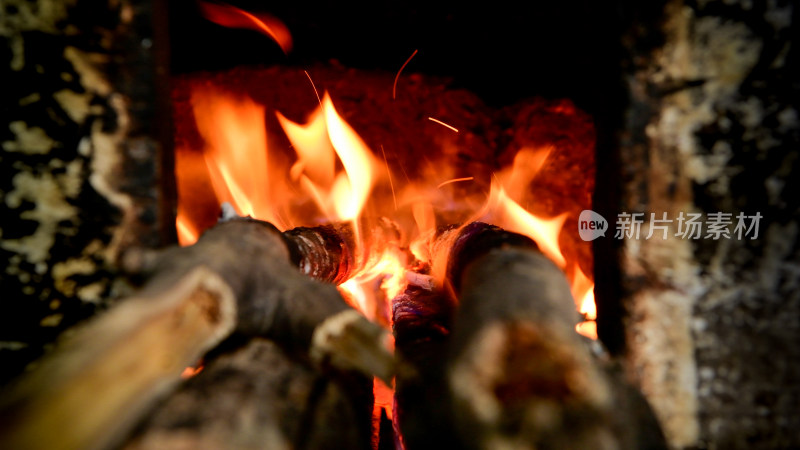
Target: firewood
{"points": [[238, 276], [255, 395], [518, 373], [422, 320], [513, 373], [453, 247], [325, 252], [334, 253]]}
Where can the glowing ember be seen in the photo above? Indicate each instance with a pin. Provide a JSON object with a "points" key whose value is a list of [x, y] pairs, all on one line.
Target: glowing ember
{"points": [[189, 372], [443, 124], [233, 17], [397, 77], [316, 92]]}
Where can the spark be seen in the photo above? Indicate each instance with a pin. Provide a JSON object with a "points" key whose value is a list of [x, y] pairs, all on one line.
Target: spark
{"points": [[189, 372], [443, 124], [454, 180], [312, 85], [389, 172], [403, 168], [232, 17], [397, 77]]}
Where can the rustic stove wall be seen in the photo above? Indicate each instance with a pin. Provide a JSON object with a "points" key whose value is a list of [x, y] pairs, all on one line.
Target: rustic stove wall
{"points": [[711, 127], [85, 126]]}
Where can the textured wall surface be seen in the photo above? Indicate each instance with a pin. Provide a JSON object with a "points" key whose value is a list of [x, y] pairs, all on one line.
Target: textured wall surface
{"points": [[78, 166], [712, 127]]}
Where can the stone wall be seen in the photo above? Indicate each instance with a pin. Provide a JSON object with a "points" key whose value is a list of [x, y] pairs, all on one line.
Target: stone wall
{"points": [[80, 162], [712, 127]]}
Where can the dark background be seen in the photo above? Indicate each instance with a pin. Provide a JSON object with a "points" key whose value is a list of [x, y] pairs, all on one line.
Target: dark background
{"points": [[502, 51]]}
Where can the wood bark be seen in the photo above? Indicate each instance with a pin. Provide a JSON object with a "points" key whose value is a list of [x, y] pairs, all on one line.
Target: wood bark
{"points": [[507, 369], [421, 322], [255, 395], [332, 253], [238, 276]]}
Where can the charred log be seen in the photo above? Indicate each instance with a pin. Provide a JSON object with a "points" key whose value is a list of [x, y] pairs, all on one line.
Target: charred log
{"points": [[422, 320], [332, 252]]}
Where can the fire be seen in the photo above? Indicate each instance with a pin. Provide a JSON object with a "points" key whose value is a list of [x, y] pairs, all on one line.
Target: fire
{"points": [[583, 292], [502, 210], [189, 372], [233, 17], [334, 176], [336, 171]]}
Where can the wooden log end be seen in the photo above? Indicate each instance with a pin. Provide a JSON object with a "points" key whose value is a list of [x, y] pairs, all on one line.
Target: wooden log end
{"points": [[108, 373], [349, 341], [521, 384]]}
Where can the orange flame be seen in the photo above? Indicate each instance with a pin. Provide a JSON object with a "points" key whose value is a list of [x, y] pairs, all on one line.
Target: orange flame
{"points": [[514, 217], [336, 171], [507, 213], [236, 154], [583, 292], [187, 234], [233, 17], [326, 136]]}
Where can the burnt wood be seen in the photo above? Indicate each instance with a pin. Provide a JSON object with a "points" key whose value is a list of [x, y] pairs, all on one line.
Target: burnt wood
{"points": [[333, 253], [421, 323]]}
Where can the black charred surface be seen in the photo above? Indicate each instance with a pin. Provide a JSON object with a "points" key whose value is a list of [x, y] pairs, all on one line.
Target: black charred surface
{"points": [[326, 252], [421, 323], [477, 239]]}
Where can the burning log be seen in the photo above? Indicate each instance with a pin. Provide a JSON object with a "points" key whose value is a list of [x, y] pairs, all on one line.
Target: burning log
{"points": [[237, 277], [331, 252], [517, 371], [514, 371]]}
